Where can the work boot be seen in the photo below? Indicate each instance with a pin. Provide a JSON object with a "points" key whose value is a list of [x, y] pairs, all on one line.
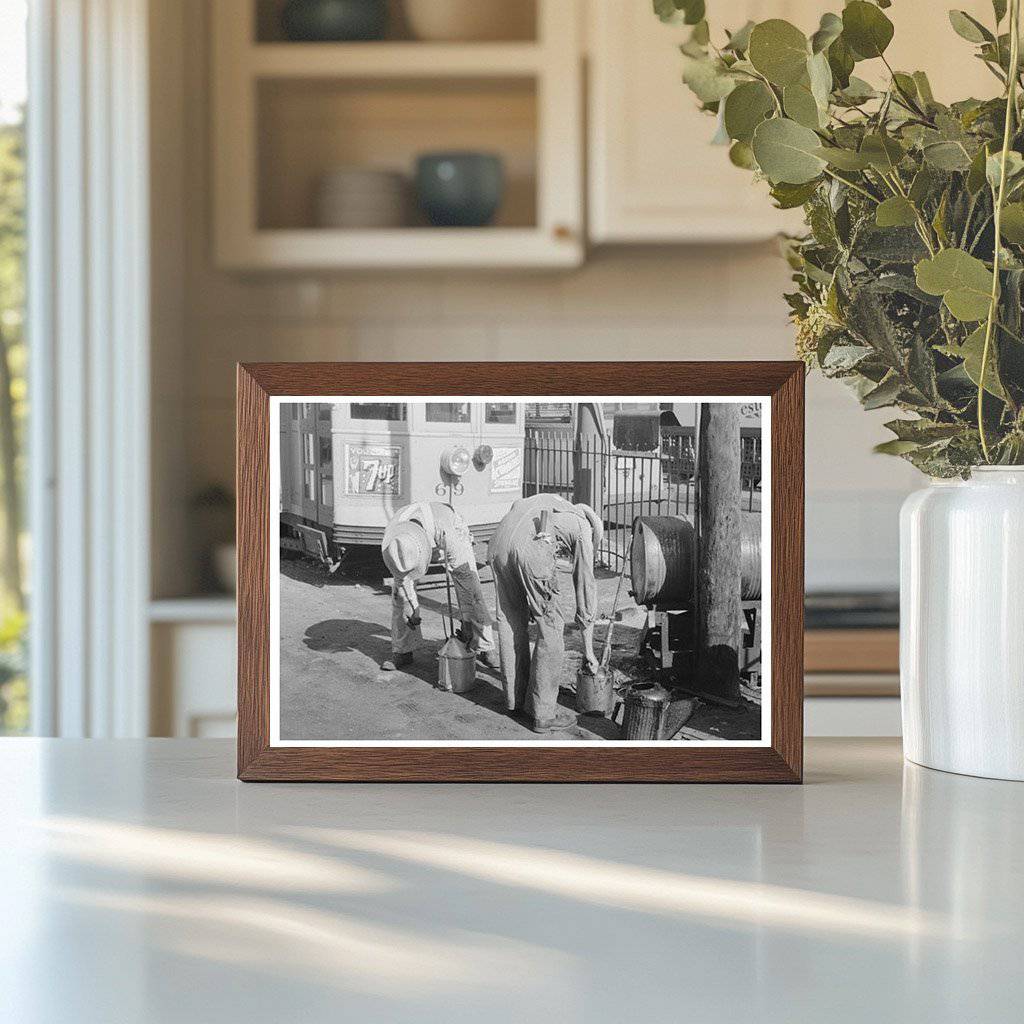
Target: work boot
{"points": [[563, 719], [397, 661], [489, 660]]}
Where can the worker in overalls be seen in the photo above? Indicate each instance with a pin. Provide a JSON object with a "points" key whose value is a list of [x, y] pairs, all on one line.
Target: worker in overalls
{"points": [[535, 536], [417, 535]]}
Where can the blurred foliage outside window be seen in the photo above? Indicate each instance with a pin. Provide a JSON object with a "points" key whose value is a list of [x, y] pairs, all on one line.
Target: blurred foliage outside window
{"points": [[14, 693]]}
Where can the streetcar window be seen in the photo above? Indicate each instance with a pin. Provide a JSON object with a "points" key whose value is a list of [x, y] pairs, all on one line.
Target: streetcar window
{"points": [[499, 412], [447, 412], [393, 411], [326, 471]]}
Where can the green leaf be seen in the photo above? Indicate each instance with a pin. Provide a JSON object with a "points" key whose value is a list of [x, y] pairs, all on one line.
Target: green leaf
{"points": [[947, 156], [885, 394], [1012, 225], [707, 78], [858, 91], [739, 41], [789, 197], [689, 12], [787, 151], [922, 185], [993, 167], [924, 88], [882, 151], [745, 108], [971, 351], [801, 106], [905, 84], [829, 30], [666, 10], [779, 51], [844, 159], [922, 431], [741, 155], [866, 29], [895, 447], [701, 34], [969, 28], [819, 74], [895, 212], [841, 62], [976, 174], [999, 9], [939, 220], [963, 281]]}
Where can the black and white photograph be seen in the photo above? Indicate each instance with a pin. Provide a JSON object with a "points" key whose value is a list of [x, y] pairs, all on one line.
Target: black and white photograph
{"points": [[507, 571]]}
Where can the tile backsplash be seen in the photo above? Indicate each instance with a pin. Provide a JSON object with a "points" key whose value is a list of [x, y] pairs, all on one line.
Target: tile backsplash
{"points": [[720, 302]]}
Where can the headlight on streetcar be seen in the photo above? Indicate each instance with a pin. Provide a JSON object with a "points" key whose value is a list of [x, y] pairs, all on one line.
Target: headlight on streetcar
{"points": [[483, 456], [455, 461]]}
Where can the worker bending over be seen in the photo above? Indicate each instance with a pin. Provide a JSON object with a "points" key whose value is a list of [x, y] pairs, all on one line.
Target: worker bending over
{"points": [[417, 535], [536, 533]]}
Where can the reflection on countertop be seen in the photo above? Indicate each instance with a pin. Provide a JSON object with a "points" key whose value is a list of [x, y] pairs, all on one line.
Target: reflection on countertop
{"points": [[146, 884]]}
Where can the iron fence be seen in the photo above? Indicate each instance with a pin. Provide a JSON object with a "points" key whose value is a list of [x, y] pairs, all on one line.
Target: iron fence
{"points": [[625, 485]]}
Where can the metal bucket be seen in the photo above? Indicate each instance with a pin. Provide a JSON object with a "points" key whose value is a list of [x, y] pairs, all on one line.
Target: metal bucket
{"points": [[594, 694], [646, 705], [456, 667]]}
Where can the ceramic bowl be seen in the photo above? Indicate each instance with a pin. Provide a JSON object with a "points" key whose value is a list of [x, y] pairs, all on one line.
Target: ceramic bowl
{"points": [[332, 21], [470, 20], [358, 197], [460, 189]]}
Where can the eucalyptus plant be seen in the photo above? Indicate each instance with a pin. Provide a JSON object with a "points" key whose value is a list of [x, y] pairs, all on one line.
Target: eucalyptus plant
{"points": [[910, 277]]}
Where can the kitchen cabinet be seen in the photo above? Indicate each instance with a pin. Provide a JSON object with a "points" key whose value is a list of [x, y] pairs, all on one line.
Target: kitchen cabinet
{"points": [[287, 114], [654, 177]]}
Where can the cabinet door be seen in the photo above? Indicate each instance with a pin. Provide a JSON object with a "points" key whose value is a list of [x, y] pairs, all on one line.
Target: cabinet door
{"points": [[654, 176]]}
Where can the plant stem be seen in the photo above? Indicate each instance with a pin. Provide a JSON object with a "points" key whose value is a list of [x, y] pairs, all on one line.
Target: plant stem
{"points": [[1011, 108], [853, 185]]}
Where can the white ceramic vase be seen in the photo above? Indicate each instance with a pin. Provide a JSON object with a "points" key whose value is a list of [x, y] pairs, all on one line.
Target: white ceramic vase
{"points": [[962, 624]]}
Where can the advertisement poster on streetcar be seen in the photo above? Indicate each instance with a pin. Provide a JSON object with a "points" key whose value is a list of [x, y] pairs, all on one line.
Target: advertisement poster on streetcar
{"points": [[373, 469], [507, 470]]}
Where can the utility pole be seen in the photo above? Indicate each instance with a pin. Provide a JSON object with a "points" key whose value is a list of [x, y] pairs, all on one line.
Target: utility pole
{"points": [[718, 553]]}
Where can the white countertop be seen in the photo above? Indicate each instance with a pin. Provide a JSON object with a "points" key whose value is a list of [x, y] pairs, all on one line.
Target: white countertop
{"points": [[140, 882]]}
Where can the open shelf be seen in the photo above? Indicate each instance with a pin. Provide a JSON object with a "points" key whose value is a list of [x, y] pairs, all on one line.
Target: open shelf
{"points": [[388, 60], [520, 23], [309, 127], [286, 114]]}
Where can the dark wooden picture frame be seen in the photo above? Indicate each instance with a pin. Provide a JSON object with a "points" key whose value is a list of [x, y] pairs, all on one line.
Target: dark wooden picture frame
{"points": [[779, 761]]}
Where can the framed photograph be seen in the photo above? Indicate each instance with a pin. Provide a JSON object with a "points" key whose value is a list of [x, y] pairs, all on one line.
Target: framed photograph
{"points": [[513, 572]]}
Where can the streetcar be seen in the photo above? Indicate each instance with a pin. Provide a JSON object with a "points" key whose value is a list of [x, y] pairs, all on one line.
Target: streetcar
{"points": [[347, 467]]}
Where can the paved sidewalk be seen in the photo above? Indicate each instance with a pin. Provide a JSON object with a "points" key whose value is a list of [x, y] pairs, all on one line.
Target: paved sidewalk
{"points": [[335, 632]]}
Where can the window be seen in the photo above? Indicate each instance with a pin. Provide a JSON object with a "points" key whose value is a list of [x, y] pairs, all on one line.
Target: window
{"points": [[500, 412], [14, 682], [326, 471], [392, 411], [323, 413], [448, 412]]}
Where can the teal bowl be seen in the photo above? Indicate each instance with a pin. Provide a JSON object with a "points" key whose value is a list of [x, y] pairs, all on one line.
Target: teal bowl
{"points": [[334, 21], [460, 190]]}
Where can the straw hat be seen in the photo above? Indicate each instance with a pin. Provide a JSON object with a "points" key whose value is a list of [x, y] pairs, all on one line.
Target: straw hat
{"points": [[406, 549]]}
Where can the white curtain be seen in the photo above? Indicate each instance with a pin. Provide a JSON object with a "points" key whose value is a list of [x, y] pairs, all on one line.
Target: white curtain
{"points": [[88, 337]]}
